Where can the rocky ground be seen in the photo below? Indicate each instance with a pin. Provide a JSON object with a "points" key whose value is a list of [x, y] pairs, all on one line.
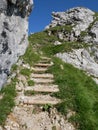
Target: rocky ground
{"points": [[34, 109]]}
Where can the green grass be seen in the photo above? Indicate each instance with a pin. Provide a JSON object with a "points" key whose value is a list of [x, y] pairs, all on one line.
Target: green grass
{"points": [[41, 42], [7, 102], [51, 49], [30, 82], [54, 30], [46, 107], [30, 56], [79, 93], [25, 72], [96, 16], [96, 19], [37, 40], [83, 34], [14, 67]]}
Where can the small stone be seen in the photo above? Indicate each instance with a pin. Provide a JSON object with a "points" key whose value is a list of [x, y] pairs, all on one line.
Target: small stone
{"points": [[7, 127], [9, 80], [21, 85], [58, 127], [1, 96], [21, 77], [57, 43], [26, 66], [1, 128], [16, 125], [70, 113], [62, 67]]}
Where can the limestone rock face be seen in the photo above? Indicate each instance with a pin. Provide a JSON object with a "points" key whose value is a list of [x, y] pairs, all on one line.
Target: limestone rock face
{"points": [[83, 23], [80, 18], [81, 59], [13, 33]]}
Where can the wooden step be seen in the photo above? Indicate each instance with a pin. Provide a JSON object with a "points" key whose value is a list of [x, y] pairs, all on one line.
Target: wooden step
{"points": [[47, 75], [42, 81], [39, 100], [43, 88]]}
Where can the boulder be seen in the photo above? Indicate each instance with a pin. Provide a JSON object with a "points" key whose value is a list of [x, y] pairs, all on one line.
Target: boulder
{"points": [[13, 33]]}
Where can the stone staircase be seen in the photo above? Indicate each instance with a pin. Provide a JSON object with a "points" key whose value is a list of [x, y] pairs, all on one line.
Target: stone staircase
{"points": [[43, 84], [28, 113], [43, 88]]}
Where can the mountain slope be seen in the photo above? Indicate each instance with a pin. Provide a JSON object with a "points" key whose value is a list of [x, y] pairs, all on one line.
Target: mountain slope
{"points": [[77, 89]]}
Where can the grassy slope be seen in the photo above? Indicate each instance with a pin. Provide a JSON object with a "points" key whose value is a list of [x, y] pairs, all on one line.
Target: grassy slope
{"points": [[42, 43], [79, 93], [77, 90]]}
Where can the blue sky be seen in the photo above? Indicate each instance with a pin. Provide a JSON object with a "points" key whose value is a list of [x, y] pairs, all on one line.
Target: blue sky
{"points": [[41, 14]]}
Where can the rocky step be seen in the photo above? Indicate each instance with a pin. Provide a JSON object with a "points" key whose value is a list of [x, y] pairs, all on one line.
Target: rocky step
{"points": [[39, 100], [42, 65], [43, 88], [44, 61], [45, 58], [47, 75], [39, 69], [42, 81]]}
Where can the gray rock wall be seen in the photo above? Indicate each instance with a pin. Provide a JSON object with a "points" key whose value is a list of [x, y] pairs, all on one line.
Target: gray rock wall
{"points": [[82, 20], [13, 33]]}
